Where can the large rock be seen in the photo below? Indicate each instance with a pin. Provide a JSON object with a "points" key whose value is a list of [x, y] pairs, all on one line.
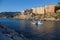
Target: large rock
{"points": [[10, 34]]}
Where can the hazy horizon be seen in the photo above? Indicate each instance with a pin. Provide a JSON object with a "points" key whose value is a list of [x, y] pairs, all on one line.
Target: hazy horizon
{"points": [[20, 5]]}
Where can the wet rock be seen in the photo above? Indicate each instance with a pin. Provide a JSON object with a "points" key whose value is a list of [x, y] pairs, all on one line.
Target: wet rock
{"points": [[10, 34], [3, 37]]}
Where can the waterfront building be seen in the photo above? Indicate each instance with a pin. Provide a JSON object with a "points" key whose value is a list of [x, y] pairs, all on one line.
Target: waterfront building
{"points": [[38, 10], [50, 9], [47, 10], [43, 9]]}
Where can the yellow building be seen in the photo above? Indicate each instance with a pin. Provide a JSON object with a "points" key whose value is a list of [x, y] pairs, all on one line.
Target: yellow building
{"points": [[50, 9], [44, 9], [38, 10]]}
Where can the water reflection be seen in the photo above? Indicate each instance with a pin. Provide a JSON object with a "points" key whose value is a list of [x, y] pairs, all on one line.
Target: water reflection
{"points": [[49, 30], [57, 30], [46, 31]]}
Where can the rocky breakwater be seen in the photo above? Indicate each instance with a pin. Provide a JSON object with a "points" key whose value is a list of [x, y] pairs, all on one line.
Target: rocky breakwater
{"points": [[10, 34]]}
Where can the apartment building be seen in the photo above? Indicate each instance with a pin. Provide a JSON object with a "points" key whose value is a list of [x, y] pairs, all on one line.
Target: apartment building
{"points": [[48, 9], [38, 10]]}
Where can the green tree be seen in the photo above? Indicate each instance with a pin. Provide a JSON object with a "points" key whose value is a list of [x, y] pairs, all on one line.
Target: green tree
{"points": [[27, 11], [57, 7]]}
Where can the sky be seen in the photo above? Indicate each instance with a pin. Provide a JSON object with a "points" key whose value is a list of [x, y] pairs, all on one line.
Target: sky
{"points": [[20, 5]]}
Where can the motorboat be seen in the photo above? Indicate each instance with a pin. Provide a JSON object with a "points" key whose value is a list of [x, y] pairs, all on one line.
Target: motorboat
{"points": [[37, 22]]}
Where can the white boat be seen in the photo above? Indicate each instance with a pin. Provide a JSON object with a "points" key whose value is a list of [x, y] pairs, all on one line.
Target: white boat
{"points": [[37, 22]]}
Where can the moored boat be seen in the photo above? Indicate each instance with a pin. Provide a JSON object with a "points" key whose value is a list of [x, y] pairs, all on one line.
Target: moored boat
{"points": [[37, 22]]}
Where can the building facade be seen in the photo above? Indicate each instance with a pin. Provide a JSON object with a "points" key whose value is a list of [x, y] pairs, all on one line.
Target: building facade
{"points": [[44, 9], [38, 10], [50, 9]]}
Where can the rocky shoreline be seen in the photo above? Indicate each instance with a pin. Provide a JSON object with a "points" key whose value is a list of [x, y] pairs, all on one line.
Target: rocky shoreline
{"points": [[44, 19], [10, 34]]}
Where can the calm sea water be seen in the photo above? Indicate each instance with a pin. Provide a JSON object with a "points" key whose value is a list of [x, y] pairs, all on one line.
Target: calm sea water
{"points": [[49, 30]]}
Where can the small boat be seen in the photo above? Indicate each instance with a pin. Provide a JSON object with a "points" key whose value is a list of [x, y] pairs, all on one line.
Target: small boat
{"points": [[37, 22]]}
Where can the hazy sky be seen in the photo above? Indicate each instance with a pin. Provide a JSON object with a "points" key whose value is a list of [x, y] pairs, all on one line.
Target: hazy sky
{"points": [[19, 5]]}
